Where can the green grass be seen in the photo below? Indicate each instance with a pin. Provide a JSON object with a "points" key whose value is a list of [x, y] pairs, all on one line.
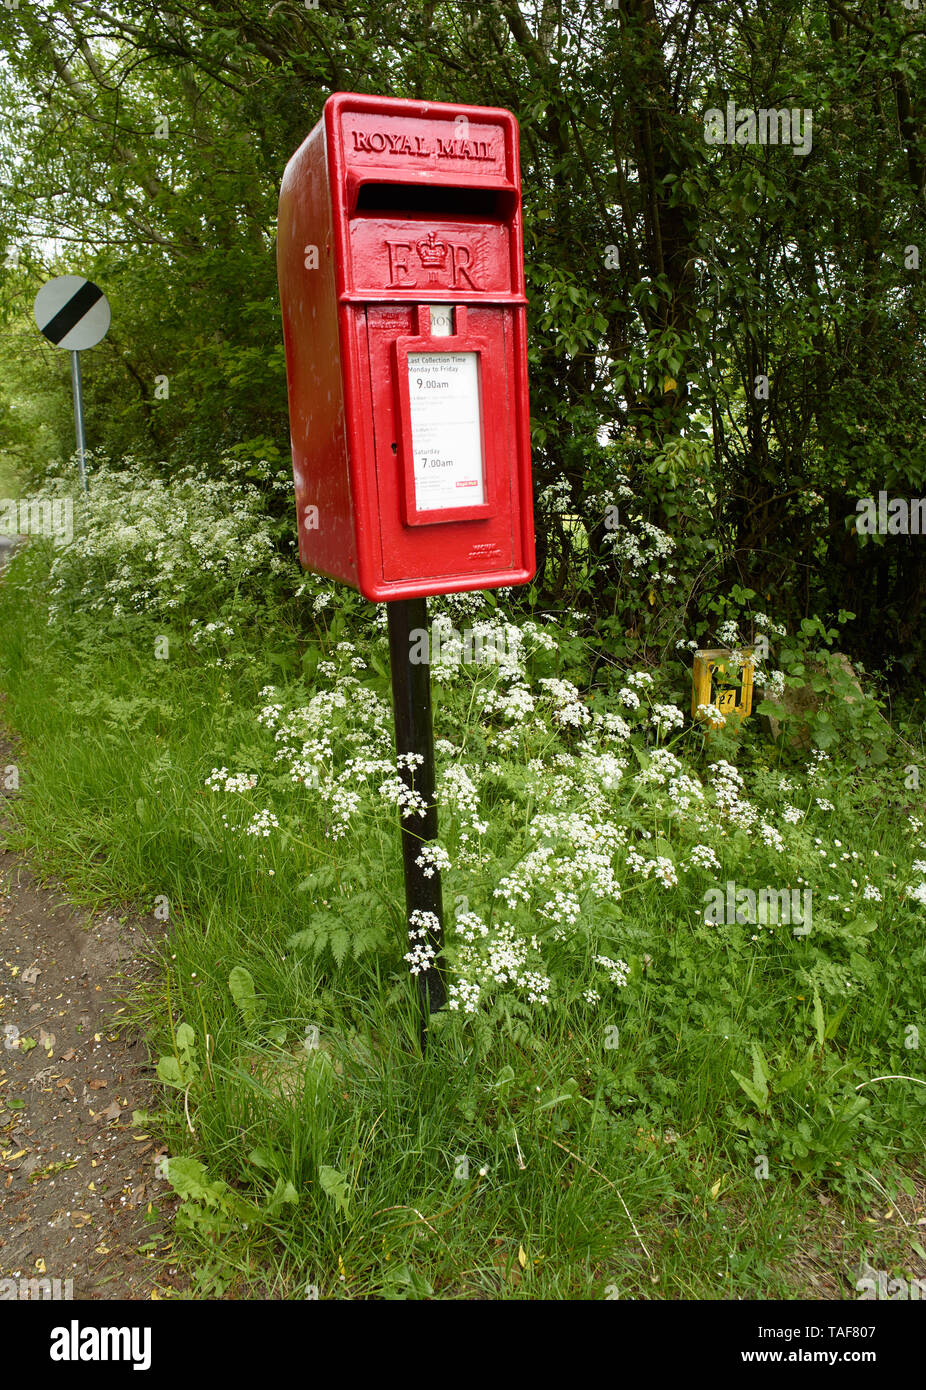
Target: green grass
{"points": [[528, 1159], [9, 480]]}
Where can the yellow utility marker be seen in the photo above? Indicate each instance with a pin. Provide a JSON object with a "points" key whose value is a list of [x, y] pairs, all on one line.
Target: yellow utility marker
{"points": [[712, 675]]}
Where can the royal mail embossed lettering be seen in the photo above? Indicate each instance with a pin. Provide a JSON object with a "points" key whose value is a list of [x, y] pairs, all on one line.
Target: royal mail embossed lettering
{"points": [[419, 146]]}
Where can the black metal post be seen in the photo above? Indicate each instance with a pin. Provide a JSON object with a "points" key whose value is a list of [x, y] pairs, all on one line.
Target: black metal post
{"points": [[414, 734]]}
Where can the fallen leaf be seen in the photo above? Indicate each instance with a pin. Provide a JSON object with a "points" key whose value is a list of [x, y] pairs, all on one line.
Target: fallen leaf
{"points": [[96, 1085], [112, 1112], [81, 1218], [522, 1257], [31, 975]]}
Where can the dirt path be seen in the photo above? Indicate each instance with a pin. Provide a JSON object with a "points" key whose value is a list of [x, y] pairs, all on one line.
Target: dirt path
{"points": [[80, 1198]]}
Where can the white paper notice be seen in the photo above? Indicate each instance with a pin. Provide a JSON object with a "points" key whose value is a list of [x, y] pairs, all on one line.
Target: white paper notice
{"points": [[443, 389]]}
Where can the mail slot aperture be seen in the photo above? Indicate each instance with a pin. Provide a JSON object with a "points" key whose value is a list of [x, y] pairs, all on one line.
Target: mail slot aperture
{"points": [[436, 199]]}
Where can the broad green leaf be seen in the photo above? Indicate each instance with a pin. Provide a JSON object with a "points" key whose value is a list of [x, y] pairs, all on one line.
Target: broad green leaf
{"points": [[758, 1097], [335, 1185], [241, 984], [168, 1071]]}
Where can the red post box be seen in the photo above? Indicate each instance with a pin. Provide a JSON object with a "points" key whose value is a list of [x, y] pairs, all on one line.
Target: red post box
{"points": [[400, 261]]}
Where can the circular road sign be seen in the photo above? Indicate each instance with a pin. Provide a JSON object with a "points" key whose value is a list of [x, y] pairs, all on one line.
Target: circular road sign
{"points": [[72, 312]]}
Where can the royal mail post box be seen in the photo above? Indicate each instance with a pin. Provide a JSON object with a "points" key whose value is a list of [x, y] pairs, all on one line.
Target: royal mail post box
{"points": [[400, 261]]}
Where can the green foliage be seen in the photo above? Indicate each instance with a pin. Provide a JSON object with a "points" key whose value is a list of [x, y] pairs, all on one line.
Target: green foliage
{"points": [[180, 1068], [241, 985], [614, 1063], [667, 276], [335, 1186], [619, 1034], [211, 1209]]}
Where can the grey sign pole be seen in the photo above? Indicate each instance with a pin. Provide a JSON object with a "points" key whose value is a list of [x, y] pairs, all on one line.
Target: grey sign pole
{"points": [[73, 313], [79, 417]]}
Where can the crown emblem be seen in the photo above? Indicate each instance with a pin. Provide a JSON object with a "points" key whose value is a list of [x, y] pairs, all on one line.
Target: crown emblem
{"points": [[433, 253]]}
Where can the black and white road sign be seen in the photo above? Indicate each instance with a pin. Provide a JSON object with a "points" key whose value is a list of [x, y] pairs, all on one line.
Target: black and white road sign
{"points": [[72, 312]]}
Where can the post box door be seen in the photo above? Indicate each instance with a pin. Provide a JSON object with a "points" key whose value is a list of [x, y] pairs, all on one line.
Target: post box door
{"points": [[463, 525]]}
